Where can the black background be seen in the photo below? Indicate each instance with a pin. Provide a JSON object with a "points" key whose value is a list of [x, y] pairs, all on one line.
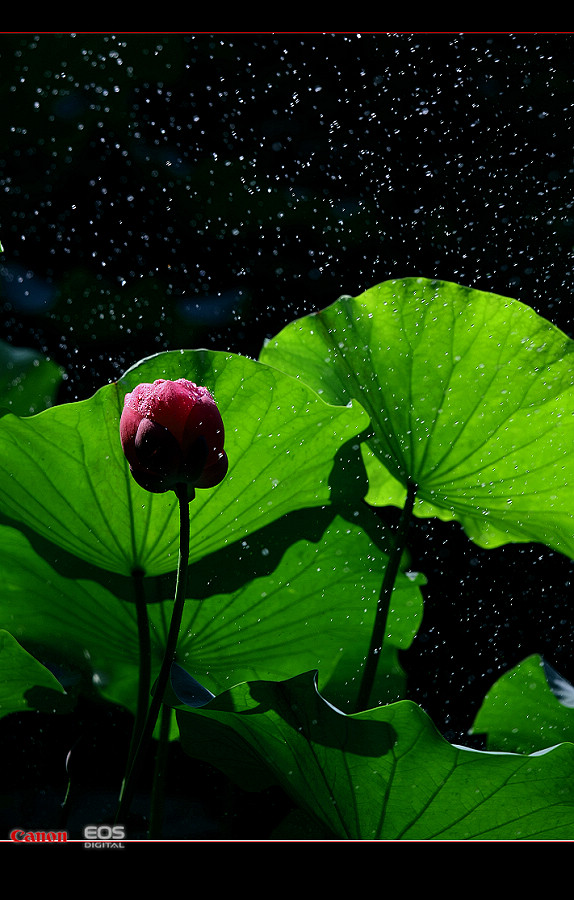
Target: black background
{"points": [[161, 191]]}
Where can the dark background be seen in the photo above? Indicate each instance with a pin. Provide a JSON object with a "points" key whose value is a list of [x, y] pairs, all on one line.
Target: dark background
{"points": [[161, 191]]}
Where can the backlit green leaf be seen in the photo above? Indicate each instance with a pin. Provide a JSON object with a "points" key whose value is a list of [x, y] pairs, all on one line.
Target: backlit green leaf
{"points": [[520, 713], [385, 774], [63, 474], [314, 606], [471, 396]]}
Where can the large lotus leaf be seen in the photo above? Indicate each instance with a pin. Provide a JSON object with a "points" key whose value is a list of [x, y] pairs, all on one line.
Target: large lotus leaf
{"points": [[384, 774], [523, 713], [471, 397], [63, 474], [315, 607]]}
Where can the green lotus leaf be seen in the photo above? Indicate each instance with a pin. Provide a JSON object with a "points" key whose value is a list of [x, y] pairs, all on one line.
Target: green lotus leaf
{"points": [[315, 608], [313, 605], [384, 774], [63, 473], [470, 395], [522, 714]]}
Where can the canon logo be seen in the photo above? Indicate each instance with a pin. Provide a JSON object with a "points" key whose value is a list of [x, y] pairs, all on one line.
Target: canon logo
{"points": [[33, 837]]}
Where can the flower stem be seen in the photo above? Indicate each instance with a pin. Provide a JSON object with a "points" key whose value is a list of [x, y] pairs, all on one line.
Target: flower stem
{"points": [[383, 606], [168, 658], [160, 775], [144, 645]]}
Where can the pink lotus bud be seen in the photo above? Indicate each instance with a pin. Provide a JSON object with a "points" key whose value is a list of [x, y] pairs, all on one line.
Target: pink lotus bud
{"points": [[172, 433]]}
